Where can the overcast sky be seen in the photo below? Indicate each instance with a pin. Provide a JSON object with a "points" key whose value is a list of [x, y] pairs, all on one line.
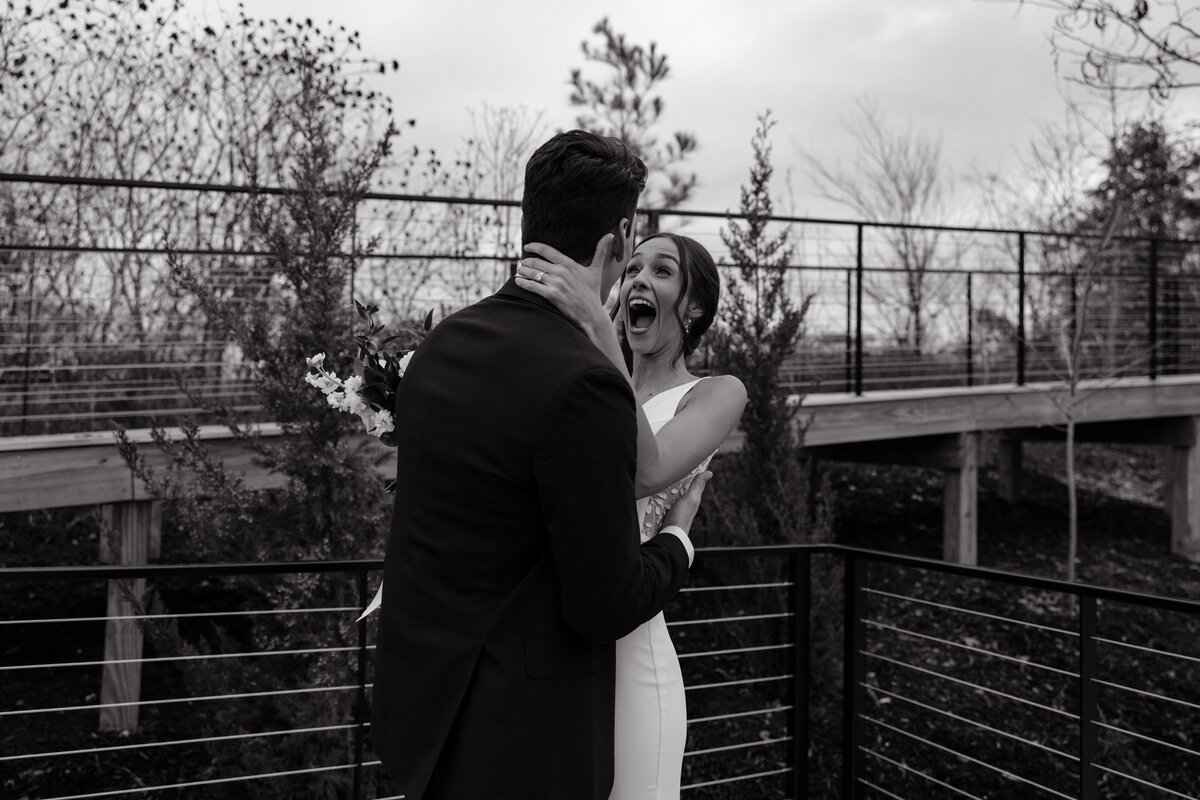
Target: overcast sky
{"points": [[980, 73]]}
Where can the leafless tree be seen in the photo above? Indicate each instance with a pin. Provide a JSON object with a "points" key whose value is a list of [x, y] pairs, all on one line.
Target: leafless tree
{"points": [[897, 176], [1130, 45], [147, 91]]}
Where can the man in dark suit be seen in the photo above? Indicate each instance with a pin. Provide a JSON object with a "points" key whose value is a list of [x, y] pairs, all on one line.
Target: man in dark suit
{"points": [[513, 561]]}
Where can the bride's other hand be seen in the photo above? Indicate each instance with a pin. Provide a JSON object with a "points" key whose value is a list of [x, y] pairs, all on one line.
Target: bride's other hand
{"points": [[573, 289], [685, 508]]}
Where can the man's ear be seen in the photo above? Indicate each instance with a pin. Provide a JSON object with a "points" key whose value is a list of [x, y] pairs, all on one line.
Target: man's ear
{"points": [[622, 246]]}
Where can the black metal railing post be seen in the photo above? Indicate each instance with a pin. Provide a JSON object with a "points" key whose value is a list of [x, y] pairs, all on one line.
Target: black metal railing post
{"points": [[970, 335], [849, 331], [360, 700], [1020, 309], [800, 566], [858, 322], [1152, 334], [652, 221], [1073, 329], [1088, 715], [854, 692]]}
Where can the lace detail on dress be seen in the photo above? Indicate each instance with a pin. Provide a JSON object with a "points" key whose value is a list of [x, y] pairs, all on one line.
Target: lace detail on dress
{"points": [[659, 504]]}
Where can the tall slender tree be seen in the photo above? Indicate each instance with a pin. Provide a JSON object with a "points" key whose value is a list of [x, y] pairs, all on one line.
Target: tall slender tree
{"points": [[760, 326], [623, 103]]}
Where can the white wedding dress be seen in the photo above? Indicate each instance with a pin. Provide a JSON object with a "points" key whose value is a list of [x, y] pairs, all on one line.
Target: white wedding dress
{"points": [[651, 712]]}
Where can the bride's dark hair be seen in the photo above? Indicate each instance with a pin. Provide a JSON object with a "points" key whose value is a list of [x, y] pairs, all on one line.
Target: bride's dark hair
{"points": [[701, 287]]}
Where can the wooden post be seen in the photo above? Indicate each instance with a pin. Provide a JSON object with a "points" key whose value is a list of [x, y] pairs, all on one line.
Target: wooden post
{"points": [[1008, 465], [135, 530], [960, 535], [1182, 495]]}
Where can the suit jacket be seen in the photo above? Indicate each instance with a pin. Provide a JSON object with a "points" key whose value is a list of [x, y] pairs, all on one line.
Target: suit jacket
{"points": [[513, 560]]}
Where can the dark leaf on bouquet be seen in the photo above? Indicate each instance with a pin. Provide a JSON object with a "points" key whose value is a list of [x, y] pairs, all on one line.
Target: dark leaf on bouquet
{"points": [[361, 309], [394, 338], [429, 320], [374, 395]]}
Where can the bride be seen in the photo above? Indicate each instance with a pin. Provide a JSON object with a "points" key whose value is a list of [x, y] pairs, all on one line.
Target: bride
{"points": [[666, 301]]}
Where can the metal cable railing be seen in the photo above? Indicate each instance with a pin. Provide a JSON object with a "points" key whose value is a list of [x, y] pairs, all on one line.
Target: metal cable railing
{"points": [[961, 680], [981, 306]]}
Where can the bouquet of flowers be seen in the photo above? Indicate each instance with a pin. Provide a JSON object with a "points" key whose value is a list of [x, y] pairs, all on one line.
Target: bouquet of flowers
{"points": [[371, 395]]}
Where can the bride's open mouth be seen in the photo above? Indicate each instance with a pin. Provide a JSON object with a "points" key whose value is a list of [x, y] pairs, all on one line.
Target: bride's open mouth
{"points": [[641, 314]]}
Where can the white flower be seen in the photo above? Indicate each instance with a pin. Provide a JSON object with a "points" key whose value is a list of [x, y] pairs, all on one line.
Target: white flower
{"points": [[403, 365], [316, 361], [383, 423], [335, 399], [352, 402], [353, 384], [314, 380]]}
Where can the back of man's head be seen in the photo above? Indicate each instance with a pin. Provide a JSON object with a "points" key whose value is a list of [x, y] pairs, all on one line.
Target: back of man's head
{"points": [[578, 186]]}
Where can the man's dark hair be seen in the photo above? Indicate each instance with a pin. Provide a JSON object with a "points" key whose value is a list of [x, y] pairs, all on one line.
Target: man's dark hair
{"points": [[578, 186]]}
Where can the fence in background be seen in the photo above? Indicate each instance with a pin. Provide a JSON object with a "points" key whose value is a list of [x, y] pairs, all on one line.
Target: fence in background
{"points": [[95, 329], [963, 682]]}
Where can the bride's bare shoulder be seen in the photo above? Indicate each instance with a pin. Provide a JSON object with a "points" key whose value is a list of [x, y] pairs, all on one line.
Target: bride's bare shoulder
{"points": [[722, 390]]}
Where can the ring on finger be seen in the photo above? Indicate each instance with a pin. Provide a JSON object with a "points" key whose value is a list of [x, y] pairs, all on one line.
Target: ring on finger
{"points": [[541, 274]]}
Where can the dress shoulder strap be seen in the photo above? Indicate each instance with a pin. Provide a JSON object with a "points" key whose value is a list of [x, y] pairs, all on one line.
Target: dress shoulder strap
{"points": [[671, 398]]}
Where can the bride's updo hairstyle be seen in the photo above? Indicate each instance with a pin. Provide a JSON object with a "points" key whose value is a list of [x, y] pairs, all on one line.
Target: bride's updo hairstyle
{"points": [[701, 287], [578, 186]]}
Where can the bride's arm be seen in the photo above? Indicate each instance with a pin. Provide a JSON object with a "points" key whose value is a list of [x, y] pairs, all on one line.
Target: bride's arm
{"points": [[708, 414]]}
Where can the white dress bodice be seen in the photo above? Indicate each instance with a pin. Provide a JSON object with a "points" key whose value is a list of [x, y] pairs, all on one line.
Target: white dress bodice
{"points": [[660, 410]]}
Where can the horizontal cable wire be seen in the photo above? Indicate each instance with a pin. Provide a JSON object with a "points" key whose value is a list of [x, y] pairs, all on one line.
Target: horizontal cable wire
{"points": [[1145, 693], [1146, 738], [880, 789], [913, 771], [181, 742], [737, 778], [691, 589], [190, 614], [1144, 649], [1006, 773], [742, 682], [980, 650], [739, 746], [973, 612], [722, 717], [211, 781], [172, 700], [123, 365], [737, 651], [197, 657], [968, 684], [746, 618], [132, 412], [1146, 783], [971, 722]]}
